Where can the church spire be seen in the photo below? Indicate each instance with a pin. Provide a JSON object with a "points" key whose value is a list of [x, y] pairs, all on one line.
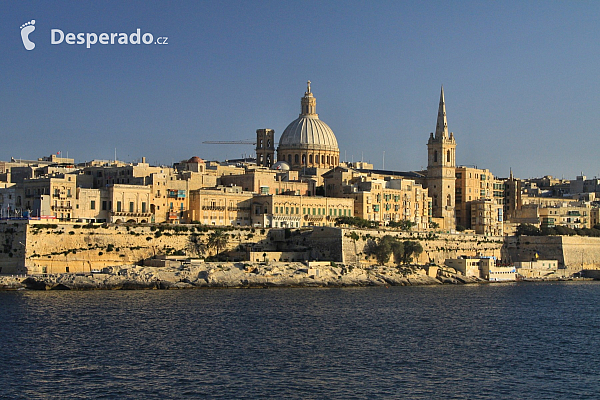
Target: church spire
{"points": [[441, 129], [309, 103]]}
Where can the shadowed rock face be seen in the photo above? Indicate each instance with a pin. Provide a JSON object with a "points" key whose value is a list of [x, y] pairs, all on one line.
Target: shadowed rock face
{"points": [[34, 284], [60, 286]]}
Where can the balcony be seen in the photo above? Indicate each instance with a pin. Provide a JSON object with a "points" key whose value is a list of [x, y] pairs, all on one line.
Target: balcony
{"points": [[238, 208], [176, 194], [214, 208], [130, 214]]}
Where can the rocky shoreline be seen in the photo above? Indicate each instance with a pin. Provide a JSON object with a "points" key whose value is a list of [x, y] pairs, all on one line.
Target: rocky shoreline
{"points": [[231, 275]]}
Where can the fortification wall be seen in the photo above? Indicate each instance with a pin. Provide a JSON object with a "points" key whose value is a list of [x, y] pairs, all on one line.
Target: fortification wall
{"points": [[58, 248], [13, 247], [436, 247], [572, 252]]}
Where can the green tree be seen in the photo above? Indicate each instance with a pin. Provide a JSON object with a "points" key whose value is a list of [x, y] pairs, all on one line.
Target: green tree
{"points": [[411, 249], [386, 247], [529, 230], [217, 240], [355, 221], [405, 224], [435, 225], [354, 236], [397, 250], [383, 250]]}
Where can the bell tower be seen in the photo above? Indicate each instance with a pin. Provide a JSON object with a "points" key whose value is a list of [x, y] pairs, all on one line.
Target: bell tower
{"points": [[441, 164], [265, 147]]}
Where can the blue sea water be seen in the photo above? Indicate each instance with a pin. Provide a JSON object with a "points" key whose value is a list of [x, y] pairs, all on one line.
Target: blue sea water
{"points": [[501, 341]]}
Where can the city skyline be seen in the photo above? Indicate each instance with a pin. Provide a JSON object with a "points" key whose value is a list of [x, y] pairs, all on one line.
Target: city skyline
{"points": [[518, 78]]}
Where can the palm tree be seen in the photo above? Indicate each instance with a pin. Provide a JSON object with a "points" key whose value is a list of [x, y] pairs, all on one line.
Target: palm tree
{"points": [[217, 240]]}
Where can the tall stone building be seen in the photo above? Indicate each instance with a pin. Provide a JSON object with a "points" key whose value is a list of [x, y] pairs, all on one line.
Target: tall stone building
{"points": [[441, 165]]}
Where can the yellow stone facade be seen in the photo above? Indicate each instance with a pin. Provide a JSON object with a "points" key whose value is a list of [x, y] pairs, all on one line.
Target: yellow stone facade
{"points": [[272, 211]]}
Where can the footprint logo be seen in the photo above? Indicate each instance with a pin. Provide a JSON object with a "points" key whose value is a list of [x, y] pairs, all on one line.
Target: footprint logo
{"points": [[26, 29]]}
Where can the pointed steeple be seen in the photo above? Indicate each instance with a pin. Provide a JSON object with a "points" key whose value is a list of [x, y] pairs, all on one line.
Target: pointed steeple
{"points": [[309, 103], [441, 129]]}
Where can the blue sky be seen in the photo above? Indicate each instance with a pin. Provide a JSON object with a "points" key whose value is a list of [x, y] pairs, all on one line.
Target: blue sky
{"points": [[522, 80]]}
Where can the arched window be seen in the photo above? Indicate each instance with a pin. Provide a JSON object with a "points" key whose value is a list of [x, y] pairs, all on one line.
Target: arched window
{"points": [[260, 142], [435, 156], [269, 143], [310, 159], [296, 159], [322, 159], [449, 201], [303, 159], [290, 159], [327, 159], [448, 156]]}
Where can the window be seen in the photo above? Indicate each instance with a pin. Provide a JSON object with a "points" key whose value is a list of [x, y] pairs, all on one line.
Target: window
{"points": [[448, 156], [435, 156], [118, 206], [104, 205], [287, 210], [131, 206], [144, 207], [93, 205]]}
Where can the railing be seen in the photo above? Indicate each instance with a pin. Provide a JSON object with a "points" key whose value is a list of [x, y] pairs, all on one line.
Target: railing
{"points": [[218, 208], [129, 214]]}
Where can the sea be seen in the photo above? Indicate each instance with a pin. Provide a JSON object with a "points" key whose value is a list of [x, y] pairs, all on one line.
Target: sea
{"points": [[488, 341]]}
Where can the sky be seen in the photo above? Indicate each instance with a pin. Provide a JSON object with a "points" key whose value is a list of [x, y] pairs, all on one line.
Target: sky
{"points": [[521, 80]]}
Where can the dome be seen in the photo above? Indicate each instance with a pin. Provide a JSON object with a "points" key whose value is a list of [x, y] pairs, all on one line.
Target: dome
{"points": [[195, 160], [308, 141], [308, 131], [281, 166]]}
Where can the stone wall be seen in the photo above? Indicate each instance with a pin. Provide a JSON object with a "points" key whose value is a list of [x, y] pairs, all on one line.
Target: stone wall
{"points": [[12, 247], [58, 248], [436, 247], [572, 252], [52, 248]]}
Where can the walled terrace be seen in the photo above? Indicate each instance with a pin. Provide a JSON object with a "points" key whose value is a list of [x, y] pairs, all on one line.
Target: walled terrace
{"points": [[31, 247]]}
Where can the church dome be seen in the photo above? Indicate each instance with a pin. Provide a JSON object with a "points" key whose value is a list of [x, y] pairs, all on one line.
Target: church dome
{"points": [[308, 130], [195, 160], [307, 141], [281, 166]]}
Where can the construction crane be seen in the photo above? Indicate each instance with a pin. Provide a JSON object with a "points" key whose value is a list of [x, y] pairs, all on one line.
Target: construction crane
{"points": [[252, 142]]}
